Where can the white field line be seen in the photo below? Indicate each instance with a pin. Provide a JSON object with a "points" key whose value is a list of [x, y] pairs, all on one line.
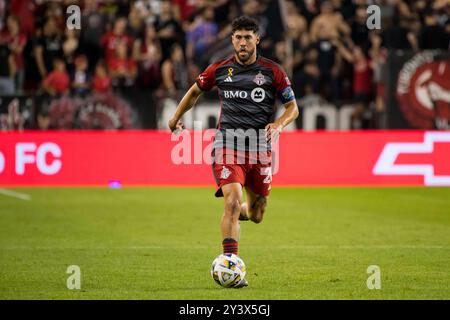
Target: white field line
{"points": [[288, 247], [13, 194]]}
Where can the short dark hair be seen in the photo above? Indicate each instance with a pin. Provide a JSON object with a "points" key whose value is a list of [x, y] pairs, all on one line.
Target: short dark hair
{"points": [[245, 23]]}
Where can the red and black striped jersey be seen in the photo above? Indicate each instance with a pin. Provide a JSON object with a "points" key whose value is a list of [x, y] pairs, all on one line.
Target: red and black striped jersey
{"points": [[247, 93]]}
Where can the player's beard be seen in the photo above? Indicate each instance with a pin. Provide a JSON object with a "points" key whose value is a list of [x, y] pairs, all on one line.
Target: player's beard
{"points": [[244, 58]]}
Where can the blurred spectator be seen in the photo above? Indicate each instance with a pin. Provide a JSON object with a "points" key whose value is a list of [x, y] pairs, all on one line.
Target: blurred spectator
{"points": [[306, 77], [378, 56], [80, 77], [433, 35], [328, 24], [7, 69], [122, 68], [362, 80], [101, 82], [399, 36], [147, 53], [183, 9], [328, 62], [26, 10], [43, 120], [308, 9], [57, 82], [48, 47], [360, 33], [135, 23], [297, 25], [168, 29], [17, 41], [174, 72], [71, 48], [148, 10], [111, 40], [2, 13], [271, 21], [255, 9], [224, 11], [54, 10], [252, 8], [93, 25], [202, 34], [13, 120], [281, 55], [419, 7]]}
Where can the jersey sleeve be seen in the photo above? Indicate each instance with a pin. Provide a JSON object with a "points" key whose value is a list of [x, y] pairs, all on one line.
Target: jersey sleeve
{"points": [[207, 79], [282, 85]]}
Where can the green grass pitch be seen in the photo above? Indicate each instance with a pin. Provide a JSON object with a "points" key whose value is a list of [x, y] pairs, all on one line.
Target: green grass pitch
{"points": [[158, 243]]}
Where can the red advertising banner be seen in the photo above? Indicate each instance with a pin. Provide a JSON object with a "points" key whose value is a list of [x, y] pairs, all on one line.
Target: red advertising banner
{"points": [[131, 158]]}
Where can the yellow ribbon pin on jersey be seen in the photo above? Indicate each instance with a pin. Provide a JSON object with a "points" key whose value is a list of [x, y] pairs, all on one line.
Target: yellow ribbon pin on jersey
{"points": [[230, 72]]}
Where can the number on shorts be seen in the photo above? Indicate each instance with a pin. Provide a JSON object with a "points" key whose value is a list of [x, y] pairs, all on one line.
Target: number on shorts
{"points": [[267, 171]]}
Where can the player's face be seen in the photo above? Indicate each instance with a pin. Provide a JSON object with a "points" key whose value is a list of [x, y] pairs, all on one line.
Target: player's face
{"points": [[244, 43]]}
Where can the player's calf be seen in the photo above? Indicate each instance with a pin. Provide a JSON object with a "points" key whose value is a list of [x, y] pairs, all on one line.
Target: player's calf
{"points": [[232, 208], [230, 219], [257, 209]]}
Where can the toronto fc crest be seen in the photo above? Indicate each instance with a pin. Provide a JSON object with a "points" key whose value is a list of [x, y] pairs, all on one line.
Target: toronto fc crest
{"points": [[225, 173], [259, 79]]}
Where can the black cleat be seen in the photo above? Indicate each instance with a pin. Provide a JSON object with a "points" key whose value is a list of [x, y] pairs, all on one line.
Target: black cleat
{"points": [[243, 218]]}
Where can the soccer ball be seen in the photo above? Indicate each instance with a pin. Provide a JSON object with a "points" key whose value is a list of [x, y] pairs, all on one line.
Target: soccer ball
{"points": [[228, 270]]}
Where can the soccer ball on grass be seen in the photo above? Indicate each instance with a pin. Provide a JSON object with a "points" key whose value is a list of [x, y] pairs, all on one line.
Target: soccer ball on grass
{"points": [[228, 270]]}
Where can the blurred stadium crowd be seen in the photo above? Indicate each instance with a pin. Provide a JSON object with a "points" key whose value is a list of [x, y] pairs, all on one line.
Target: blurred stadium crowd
{"points": [[148, 50]]}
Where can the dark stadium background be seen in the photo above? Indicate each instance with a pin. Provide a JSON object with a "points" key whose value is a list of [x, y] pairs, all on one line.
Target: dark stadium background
{"points": [[166, 44]]}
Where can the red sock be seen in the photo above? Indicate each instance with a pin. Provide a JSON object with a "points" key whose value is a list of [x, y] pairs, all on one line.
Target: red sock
{"points": [[230, 246]]}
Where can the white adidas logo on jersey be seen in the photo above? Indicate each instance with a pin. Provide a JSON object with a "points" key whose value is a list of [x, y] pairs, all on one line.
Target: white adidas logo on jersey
{"points": [[228, 79]]}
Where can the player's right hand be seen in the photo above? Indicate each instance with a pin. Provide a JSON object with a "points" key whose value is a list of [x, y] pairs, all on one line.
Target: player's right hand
{"points": [[273, 131], [175, 125]]}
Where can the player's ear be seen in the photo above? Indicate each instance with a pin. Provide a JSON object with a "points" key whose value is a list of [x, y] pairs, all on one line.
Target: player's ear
{"points": [[257, 39]]}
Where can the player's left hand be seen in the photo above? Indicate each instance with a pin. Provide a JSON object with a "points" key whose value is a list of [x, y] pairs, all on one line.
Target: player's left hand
{"points": [[273, 131], [175, 125]]}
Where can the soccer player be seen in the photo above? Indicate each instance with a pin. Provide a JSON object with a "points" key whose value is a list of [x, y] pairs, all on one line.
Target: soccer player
{"points": [[248, 86]]}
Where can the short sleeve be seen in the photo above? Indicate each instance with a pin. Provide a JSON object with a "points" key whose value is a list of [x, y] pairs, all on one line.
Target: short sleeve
{"points": [[282, 86], [207, 79]]}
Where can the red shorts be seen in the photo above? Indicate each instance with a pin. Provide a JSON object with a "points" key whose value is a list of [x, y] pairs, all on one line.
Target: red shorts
{"points": [[250, 169]]}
